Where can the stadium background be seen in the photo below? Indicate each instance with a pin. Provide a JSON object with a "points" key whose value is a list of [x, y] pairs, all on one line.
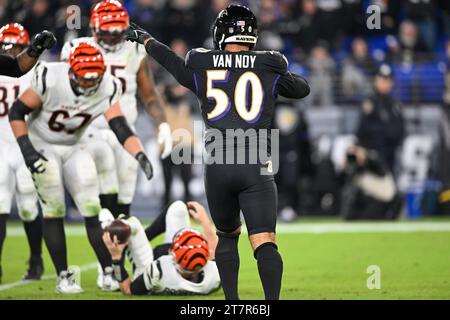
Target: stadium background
{"points": [[318, 38]]}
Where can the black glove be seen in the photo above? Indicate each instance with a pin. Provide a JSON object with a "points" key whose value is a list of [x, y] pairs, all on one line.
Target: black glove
{"points": [[41, 41], [137, 34], [33, 159], [145, 164]]}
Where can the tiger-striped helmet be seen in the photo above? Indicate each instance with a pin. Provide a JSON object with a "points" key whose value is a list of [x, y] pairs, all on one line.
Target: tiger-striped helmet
{"points": [[13, 35], [190, 250], [87, 68], [109, 23]]}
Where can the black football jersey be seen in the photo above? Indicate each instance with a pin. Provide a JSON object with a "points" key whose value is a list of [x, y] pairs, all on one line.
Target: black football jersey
{"points": [[236, 90]]}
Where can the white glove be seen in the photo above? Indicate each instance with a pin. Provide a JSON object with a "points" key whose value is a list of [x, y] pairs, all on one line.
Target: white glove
{"points": [[105, 217], [165, 139]]}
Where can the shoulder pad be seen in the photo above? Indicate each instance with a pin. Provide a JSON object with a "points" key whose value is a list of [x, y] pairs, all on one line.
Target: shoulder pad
{"points": [[194, 56], [274, 60]]}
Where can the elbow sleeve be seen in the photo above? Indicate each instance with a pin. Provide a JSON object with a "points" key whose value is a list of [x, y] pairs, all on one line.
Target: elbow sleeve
{"points": [[18, 111], [293, 86], [120, 128]]}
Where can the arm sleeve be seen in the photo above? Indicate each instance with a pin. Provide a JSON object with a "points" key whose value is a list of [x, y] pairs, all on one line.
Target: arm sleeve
{"points": [[10, 67], [292, 86], [174, 64]]}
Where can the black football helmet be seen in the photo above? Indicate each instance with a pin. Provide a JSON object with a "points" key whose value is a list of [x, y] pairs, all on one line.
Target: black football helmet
{"points": [[235, 24]]}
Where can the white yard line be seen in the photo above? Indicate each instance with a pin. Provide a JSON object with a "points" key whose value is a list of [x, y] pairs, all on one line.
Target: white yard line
{"points": [[19, 283]]}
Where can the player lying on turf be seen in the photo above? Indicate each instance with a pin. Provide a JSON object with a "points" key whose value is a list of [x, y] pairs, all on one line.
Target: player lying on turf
{"points": [[63, 100], [15, 179], [182, 265]]}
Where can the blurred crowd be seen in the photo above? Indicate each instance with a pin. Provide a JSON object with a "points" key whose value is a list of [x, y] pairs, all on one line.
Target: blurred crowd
{"points": [[377, 71]]}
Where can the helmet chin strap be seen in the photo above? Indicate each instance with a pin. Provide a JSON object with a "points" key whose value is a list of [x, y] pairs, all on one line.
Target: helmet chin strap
{"points": [[221, 41]]}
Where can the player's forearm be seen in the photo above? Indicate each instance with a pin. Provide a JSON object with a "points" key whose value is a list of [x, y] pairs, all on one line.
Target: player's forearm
{"points": [[211, 237], [154, 107], [121, 275], [26, 62], [174, 64], [133, 146], [10, 66]]}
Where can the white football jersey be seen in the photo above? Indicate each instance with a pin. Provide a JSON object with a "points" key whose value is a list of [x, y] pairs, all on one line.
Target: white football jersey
{"points": [[64, 115], [123, 64], [10, 89], [172, 283]]}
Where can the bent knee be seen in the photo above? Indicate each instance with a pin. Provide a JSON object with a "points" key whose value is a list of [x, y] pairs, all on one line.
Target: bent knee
{"points": [[259, 239], [229, 233]]}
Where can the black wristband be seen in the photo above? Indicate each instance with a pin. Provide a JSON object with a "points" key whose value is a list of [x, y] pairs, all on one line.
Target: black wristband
{"points": [[119, 271], [25, 145]]}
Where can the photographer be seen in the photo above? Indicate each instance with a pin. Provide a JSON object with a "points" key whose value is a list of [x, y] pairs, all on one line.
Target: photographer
{"points": [[369, 190]]}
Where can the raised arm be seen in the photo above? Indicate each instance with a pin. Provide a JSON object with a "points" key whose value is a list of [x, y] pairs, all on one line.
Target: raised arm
{"points": [[292, 86], [28, 102], [127, 138], [198, 213], [153, 103], [17, 67], [174, 64]]}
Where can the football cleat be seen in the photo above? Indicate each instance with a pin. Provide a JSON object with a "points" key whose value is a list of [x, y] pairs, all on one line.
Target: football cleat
{"points": [[35, 269], [66, 283]]}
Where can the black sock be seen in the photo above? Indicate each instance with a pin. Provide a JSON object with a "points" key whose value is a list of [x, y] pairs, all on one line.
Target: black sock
{"points": [[95, 233], [270, 267], [33, 229], [123, 209], [158, 226], [3, 218], [227, 260], [55, 240], [109, 201]]}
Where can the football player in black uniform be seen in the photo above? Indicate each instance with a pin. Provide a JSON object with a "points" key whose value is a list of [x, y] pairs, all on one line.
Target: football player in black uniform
{"points": [[237, 89], [18, 66]]}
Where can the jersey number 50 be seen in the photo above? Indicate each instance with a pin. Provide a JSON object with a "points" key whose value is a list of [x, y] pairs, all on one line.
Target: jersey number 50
{"points": [[246, 82]]}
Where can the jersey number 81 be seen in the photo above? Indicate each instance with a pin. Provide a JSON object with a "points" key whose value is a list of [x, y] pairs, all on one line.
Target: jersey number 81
{"points": [[247, 80]]}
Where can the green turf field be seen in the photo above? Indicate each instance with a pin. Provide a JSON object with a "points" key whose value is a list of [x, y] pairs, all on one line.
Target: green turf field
{"points": [[322, 260]]}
